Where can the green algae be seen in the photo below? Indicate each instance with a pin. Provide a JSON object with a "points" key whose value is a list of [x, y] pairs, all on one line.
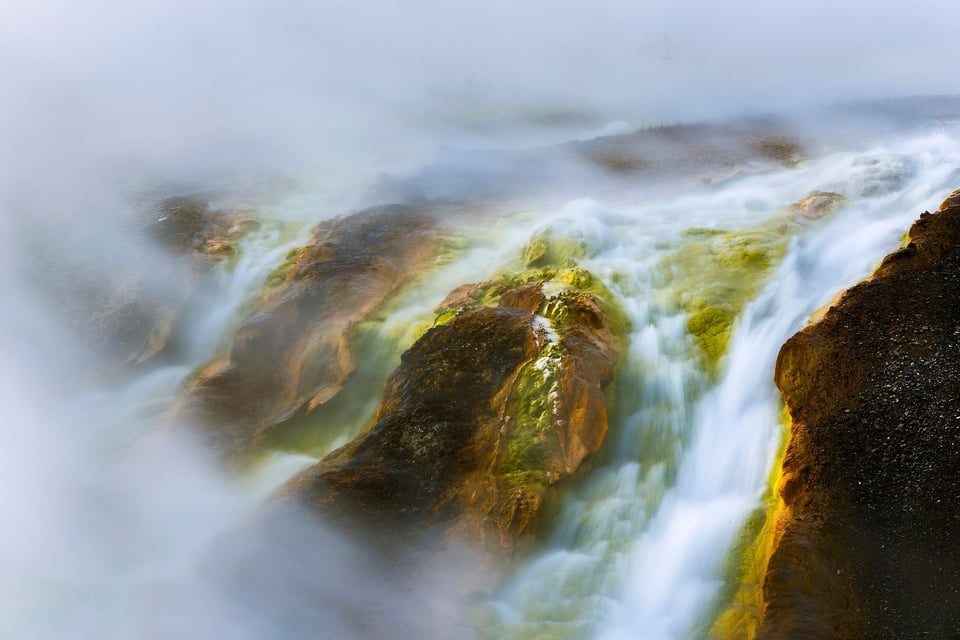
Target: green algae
{"points": [[716, 273], [555, 282], [279, 275], [712, 327], [532, 406]]}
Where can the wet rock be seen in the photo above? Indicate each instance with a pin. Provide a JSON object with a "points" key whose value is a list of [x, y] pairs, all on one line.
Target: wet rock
{"points": [[187, 225], [124, 286], [142, 324], [484, 414], [867, 539], [815, 206], [296, 350]]}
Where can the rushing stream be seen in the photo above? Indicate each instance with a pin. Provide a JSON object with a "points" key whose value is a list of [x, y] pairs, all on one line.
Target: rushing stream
{"points": [[116, 525], [636, 548]]}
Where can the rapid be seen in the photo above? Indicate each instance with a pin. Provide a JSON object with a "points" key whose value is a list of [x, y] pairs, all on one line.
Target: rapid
{"points": [[299, 115]]}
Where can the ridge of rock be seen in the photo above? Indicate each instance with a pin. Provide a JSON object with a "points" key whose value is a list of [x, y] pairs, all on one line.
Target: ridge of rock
{"points": [[296, 349], [867, 537]]}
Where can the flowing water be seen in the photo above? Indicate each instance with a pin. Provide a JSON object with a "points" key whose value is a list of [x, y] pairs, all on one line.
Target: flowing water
{"points": [[104, 522], [639, 549]]}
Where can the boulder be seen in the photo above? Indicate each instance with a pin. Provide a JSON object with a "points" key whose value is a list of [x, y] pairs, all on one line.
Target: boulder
{"points": [[867, 537], [815, 206], [485, 412], [296, 350]]}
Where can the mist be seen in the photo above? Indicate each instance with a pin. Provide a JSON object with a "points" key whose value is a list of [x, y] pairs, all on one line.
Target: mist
{"points": [[104, 103], [186, 89]]}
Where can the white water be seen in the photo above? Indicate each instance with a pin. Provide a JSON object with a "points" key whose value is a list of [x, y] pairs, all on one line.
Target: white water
{"points": [[106, 528], [639, 549], [106, 531]]}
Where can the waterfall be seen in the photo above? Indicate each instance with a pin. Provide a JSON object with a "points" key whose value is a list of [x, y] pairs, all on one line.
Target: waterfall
{"points": [[639, 548], [636, 547], [109, 520]]}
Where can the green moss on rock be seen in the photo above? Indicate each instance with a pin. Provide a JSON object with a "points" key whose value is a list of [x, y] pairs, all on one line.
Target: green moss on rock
{"points": [[279, 274], [711, 327], [532, 407], [550, 247], [716, 273]]}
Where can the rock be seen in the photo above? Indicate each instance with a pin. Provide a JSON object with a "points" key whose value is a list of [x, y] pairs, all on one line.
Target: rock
{"points": [[483, 415], [191, 232], [296, 350], [867, 538], [952, 200], [124, 286], [815, 206], [188, 226]]}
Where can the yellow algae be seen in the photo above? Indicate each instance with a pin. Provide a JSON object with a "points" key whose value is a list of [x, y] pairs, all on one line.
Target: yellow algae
{"points": [[549, 247], [716, 273], [746, 566]]}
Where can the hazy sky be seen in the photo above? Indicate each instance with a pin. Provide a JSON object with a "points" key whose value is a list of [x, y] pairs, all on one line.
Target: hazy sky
{"points": [[290, 81]]}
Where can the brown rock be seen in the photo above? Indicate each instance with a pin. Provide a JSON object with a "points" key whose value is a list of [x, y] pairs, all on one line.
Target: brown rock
{"points": [[867, 541], [188, 226], [815, 206], [123, 292], [296, 351], [952, 200], [484, 413]]}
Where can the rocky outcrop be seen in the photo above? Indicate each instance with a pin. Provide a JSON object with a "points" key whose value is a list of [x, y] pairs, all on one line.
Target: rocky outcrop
{"points": [[866, 544], [124, 286], [139, 325], [484, 414], [188, 226], [296, 350], [815, 206]]}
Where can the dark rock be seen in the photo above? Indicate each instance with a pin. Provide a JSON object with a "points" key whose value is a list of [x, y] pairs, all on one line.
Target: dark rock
{"points": [[484, 413], [867, 541]]}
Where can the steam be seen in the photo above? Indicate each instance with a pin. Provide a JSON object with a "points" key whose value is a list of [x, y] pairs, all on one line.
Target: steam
{"points": [[186, 89], [104, 102]]}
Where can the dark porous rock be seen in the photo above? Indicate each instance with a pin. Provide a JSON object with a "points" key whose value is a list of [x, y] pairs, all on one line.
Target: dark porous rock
{"points": [[867, 543], [483, 415], [296, 350]]}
